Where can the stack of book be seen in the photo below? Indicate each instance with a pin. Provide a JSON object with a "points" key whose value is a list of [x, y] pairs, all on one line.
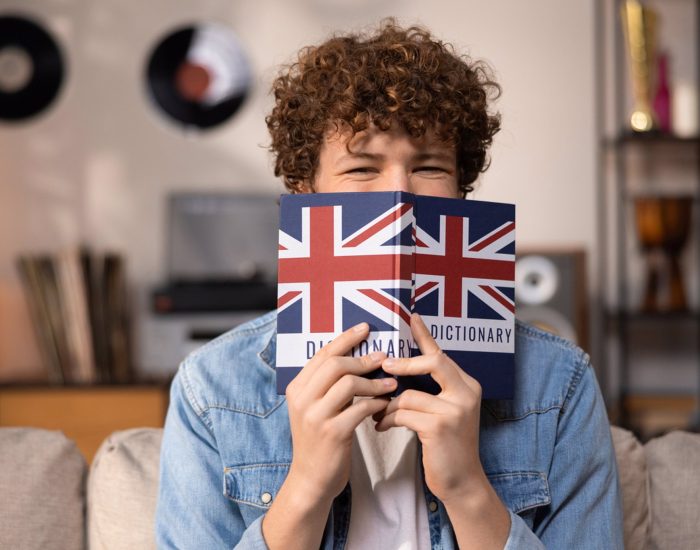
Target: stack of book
{"points": [[79, 306]]}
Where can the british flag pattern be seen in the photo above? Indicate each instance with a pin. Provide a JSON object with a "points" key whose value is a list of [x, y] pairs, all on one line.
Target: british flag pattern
{"points": [[345, 258], [459, 260], [464, 285]]}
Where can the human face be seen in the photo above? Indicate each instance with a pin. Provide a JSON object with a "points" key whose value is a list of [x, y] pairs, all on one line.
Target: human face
{"points": [[386, 161]]}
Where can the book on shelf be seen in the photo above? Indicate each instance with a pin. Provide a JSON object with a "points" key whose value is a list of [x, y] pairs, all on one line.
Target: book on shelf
{"points": [[116, 318], [78, 303], [345, 258], [38, 310], [76, 316]]}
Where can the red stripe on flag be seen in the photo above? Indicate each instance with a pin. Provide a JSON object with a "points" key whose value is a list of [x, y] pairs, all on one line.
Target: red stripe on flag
{"points": [[285, 298], [425, 288], [389, 304], [483, 244], [376, 228], [498, 297]]}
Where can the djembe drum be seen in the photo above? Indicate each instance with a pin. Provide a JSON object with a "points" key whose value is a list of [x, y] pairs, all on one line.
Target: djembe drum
{"points": [[663, 226]]}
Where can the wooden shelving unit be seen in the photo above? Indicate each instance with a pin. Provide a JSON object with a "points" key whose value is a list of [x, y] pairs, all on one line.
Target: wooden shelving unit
{"points": [[86, 414], [622, 320]]}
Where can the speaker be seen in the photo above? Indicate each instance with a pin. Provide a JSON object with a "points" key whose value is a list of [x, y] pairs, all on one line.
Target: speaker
{"points": [[551, 292]]}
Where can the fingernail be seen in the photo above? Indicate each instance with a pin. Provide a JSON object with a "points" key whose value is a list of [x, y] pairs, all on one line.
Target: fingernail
{"points": [[376, 356], [390, 362], [361, 327], [388, 381]]}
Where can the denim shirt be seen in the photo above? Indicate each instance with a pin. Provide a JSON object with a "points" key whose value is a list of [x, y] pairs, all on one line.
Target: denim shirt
{"points": [[227, 449]]}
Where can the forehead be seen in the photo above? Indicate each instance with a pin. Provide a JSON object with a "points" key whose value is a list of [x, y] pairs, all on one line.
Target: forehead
{"points": [[339, 139]]}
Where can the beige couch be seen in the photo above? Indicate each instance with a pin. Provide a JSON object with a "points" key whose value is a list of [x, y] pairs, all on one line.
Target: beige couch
{"points": [[49, 500]]}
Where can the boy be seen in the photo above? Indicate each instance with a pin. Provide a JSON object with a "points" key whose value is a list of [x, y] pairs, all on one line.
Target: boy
{"points": [[333, 464]]}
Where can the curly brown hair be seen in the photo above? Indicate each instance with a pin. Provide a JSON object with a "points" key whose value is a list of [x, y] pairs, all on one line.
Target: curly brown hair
{"points": [[393, 76]]}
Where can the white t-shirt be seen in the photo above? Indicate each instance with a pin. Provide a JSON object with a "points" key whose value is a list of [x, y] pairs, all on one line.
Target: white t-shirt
{"points": [[388, 503]]}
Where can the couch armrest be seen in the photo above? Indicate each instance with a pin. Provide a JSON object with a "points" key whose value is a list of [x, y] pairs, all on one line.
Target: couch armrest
{"points": [[122, 490], [42, 490], [634, 485], [674, 490]]}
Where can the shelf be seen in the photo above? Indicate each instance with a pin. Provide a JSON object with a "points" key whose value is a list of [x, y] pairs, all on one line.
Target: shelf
{"points": [[136, 385], [626, 160], [640, 316], [85, 414], [650, 138]]}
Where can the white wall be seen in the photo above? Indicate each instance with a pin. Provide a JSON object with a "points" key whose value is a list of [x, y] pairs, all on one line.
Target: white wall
{"points": [[97, 166]]}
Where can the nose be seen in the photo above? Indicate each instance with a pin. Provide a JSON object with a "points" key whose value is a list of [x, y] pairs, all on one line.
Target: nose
{"points": [[399, 179]]}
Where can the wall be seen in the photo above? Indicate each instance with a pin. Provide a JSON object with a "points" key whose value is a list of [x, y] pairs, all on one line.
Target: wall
{"points": [[97, 166]]}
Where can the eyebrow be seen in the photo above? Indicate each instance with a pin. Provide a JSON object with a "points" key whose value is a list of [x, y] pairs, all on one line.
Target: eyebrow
{"points": [[434, 155], [361, 155], [420, 157]]}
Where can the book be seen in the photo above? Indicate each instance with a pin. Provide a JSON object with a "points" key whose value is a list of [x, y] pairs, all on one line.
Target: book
{"points": [[117, 314], [345, 258], [38, 308], [72, 289], [79, 304]]}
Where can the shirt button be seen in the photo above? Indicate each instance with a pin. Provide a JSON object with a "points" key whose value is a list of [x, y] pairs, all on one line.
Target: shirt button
{"points": [[433, 506], [266, 498]]}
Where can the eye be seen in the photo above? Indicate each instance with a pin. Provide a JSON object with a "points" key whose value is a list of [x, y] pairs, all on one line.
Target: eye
{"points": [[361, 170], [430, 169]]}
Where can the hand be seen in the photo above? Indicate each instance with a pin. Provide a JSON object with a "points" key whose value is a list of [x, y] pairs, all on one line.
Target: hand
{"points": [[322, 414], [447, 424]]}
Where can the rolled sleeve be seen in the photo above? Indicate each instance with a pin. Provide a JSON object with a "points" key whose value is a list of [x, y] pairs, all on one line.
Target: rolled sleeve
{"points": [[520, 536], [252, 538]]}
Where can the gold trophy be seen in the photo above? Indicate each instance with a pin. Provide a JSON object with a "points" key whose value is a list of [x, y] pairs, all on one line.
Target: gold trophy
{"points": [[639, 25]]}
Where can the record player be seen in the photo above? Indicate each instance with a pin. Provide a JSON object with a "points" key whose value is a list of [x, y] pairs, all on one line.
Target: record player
{"points": [[221, 272], [222, 254]]}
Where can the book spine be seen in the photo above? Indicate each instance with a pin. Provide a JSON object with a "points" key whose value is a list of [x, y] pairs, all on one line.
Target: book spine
{"points": [[116, 316], [28, 270], [46, 270], [92, 267], [409, 266], [72, 287]]}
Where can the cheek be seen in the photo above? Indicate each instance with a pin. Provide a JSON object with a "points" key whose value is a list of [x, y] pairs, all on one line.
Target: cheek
{"points": [[330, 185], [446, 189]]}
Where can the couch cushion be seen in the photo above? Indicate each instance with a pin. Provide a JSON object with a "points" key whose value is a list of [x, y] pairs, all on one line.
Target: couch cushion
{"points": [[634, 485], [122, 490], [42, 490], [674, 490]]}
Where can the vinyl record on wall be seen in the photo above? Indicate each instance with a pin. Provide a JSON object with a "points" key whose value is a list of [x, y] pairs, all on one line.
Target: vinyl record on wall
{"points": [[198, 75], [31, 68]]}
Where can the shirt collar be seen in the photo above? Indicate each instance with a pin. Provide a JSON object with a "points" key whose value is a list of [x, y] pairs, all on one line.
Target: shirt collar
{"points": [[269, 352]]}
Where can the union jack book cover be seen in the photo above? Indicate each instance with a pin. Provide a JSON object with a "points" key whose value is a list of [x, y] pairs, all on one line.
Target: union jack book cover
{"points": [[377, 257]]}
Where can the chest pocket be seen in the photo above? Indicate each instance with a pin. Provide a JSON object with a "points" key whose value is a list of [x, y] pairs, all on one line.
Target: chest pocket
{"points": [[254, 487], [522, 492]]}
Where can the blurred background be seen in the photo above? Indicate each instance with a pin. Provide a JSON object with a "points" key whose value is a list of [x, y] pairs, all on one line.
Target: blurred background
{"points": [[138, 203]]}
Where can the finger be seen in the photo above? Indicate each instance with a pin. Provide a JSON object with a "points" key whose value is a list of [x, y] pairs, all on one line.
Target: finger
{"points": [[351, 417], [334, 368], [417, 421], [471, 382], [339, 346], [428, 345], [349, 387], [419, 401], [421, 334], [439, 366]]}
